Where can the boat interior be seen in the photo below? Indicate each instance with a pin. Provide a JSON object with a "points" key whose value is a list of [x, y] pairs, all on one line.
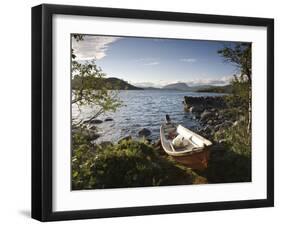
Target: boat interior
{"points": [[179, 139]]}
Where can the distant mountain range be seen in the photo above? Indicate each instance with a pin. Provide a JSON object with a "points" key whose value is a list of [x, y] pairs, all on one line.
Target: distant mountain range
{"points": [[180, 86], [119, 84], [111, 84]]}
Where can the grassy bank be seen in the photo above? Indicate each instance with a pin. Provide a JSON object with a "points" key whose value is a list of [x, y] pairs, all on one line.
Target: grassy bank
{"points": [[232, 163]]}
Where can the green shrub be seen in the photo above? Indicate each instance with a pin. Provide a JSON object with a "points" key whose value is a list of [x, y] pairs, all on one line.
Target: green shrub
{"points": [[128, 164], [234, 164], [236, 138], [229, 167]]}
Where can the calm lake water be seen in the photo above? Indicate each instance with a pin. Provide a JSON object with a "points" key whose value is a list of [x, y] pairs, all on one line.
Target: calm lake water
{"points": [[143, 109]]}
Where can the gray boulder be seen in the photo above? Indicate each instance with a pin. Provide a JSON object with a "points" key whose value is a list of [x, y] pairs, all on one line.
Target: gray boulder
{"points": [[205, 115], [196, 109], [96, 121], [93, 121], [93, 134], [92, 127], [144, 132]]}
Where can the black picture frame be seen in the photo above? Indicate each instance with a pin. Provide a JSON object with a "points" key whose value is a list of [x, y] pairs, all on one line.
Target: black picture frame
{"points": [[42, 111]]}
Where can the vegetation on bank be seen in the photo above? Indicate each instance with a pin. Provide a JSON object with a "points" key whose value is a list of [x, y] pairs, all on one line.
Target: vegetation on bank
{"points": [[127, 164], [234, 163], [225, 121]]}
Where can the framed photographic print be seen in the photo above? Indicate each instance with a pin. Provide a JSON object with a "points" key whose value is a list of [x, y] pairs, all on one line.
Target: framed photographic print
{"points": [[145, 112]]}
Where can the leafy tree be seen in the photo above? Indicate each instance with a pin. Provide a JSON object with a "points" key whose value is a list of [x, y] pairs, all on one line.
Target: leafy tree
{"points": [[89, 86], [234, 165], [241, 56]]}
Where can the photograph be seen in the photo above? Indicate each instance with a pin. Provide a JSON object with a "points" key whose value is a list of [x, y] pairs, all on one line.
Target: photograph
{"points": [[152, 111]]}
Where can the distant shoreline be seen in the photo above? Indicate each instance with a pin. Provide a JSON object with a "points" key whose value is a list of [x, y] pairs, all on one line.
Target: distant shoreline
{"points": [[113, 83]]}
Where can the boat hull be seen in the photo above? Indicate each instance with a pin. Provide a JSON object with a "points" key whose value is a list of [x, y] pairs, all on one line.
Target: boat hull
{"points": [[198, 161]]}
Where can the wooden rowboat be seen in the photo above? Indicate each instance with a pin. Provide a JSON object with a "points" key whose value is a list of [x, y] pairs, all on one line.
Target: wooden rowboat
{"points": [[185, 146]]}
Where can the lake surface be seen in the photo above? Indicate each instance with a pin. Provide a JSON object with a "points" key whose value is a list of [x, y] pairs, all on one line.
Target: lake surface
{"points": [[143, 109]]}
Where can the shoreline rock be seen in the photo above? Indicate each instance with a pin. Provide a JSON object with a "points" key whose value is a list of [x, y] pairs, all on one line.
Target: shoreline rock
{"points": [[94, 121], [144, 132], [205, 102]]}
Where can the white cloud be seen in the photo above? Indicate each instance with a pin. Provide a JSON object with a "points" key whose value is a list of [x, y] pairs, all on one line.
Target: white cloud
{"points": [[145, 84], [188, 60], [151, 63], [225, 80], [92, 47], [148, 61]]}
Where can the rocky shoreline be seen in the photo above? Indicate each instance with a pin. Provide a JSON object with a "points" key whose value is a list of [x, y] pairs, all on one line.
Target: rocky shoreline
{"points": [[213, 114], [89, 130]]}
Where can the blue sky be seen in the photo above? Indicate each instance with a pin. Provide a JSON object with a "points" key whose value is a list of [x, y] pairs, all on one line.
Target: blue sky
{"points": [[157, 62]]}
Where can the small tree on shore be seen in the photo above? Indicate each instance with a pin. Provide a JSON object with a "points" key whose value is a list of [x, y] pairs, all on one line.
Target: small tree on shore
{"points": [[240, 55], [89, 86]]}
